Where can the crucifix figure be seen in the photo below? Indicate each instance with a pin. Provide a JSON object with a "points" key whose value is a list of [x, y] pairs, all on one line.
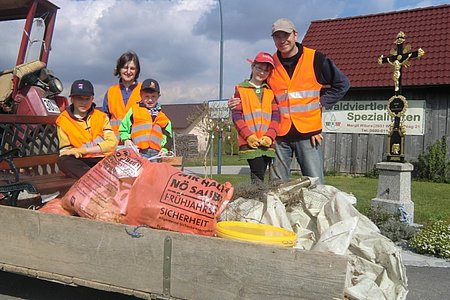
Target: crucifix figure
{"points": [[397, 66], [397, 105], [400, 58]]}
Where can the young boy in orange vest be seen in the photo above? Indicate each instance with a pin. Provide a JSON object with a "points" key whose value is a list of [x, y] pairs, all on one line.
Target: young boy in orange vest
{"points": [[145, 125], [84, 133]]}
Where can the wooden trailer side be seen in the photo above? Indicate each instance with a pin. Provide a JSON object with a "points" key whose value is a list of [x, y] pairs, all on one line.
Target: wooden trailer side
{"points": [[169, 264]]}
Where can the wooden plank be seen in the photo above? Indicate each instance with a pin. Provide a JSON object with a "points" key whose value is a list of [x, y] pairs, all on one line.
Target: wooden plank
{"points": [[329, 152], [430, 131], [200, 267], [21, 119], [441, 117], [340, 151], [31, 161], [344, 152], [360, 156], [354, 154], [375, 150], [446, 98], [50, 183]]}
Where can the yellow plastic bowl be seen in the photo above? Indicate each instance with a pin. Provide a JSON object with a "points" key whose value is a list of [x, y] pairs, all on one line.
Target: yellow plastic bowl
{"points": [[253, 232]]}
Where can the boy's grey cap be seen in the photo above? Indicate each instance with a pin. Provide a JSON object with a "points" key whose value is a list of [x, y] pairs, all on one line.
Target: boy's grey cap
{"points": [[284, 25]]}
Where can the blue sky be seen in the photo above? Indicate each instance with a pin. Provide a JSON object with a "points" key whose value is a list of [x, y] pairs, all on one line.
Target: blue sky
{"points": [[177, 40]]}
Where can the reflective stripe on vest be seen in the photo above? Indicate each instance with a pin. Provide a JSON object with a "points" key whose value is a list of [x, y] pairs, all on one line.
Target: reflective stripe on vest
{"points": [[298, 97], [93, 143]]}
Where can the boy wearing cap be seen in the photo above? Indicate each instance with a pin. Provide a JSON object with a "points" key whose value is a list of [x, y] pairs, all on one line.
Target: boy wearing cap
{"points": [[84, 133], [145, 125], [256, 117]]}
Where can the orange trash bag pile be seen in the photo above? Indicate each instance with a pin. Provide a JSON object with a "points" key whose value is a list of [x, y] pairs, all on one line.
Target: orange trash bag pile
{"points": [[55, 207], [126, 188], [102, 193], [163, 197]]}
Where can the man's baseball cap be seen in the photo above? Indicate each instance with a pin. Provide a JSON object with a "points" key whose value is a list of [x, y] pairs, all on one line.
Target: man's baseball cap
{"points": [[283, 24], [150, 84], [263, 57], [82, 87]]}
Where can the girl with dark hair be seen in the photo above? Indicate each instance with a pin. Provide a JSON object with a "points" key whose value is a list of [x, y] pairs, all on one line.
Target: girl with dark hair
{"points": [[122, 96]]}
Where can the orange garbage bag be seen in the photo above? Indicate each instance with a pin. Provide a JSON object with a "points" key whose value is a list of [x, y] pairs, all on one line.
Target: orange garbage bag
{"points": [[163, 197], [102, 193], [55, 207]]}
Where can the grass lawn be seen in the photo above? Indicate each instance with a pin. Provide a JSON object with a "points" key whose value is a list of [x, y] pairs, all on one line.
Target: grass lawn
{"points": [[227, 160], [432, 200]]}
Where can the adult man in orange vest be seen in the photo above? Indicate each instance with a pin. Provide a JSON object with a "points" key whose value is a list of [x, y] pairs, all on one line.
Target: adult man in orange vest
{"points": [[296, 81]]}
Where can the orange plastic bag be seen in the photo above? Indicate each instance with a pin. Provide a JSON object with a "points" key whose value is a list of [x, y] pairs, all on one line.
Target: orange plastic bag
{"points": [[55, 207], [164, 197], [102, 193]]}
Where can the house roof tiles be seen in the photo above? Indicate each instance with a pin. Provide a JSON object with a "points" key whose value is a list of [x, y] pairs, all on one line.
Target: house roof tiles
{"points": [[355, 44], [182, 115]]}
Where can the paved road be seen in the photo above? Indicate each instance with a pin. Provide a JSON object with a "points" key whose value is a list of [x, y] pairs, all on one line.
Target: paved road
{"points": [[425, 283]]}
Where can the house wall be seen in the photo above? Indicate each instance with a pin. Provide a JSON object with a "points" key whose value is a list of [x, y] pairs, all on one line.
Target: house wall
{"points": [[358, 153], [196, 128]]}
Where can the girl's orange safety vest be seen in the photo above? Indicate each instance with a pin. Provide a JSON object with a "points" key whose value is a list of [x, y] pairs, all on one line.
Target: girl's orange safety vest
{"points": [[117, 108], [298, 97], [256, 114], [146, 133], [79, 137]]}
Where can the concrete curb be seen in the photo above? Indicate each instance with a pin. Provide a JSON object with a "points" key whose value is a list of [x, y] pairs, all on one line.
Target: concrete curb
{"points": [[417, 260]]}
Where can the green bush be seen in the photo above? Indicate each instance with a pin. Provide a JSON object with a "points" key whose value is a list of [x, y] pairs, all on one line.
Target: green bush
{"points": [[374, 173], [390, 225], [433, 164], [433, 239]]}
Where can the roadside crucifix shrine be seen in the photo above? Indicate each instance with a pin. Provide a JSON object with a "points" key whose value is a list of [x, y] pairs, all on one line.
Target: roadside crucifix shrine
{"points": [[394, 181], [397, 105]]}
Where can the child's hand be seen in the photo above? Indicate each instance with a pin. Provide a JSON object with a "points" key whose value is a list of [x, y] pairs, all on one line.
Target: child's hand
{"points": [[130, 144], [77, 152], [266, 141], [253, 141]]}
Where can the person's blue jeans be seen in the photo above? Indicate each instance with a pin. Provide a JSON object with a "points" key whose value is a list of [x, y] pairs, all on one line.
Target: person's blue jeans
{"points": [[149, 153], [308, 157]]}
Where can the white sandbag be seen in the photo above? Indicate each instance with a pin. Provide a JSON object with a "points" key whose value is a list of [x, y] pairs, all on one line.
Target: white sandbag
{"points": [[337, 237], [251, 210], [365, 289], [325, 219]]}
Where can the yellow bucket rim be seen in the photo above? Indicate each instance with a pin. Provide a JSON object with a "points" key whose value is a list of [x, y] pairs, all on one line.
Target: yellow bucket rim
{"points": [[255, 232]]}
